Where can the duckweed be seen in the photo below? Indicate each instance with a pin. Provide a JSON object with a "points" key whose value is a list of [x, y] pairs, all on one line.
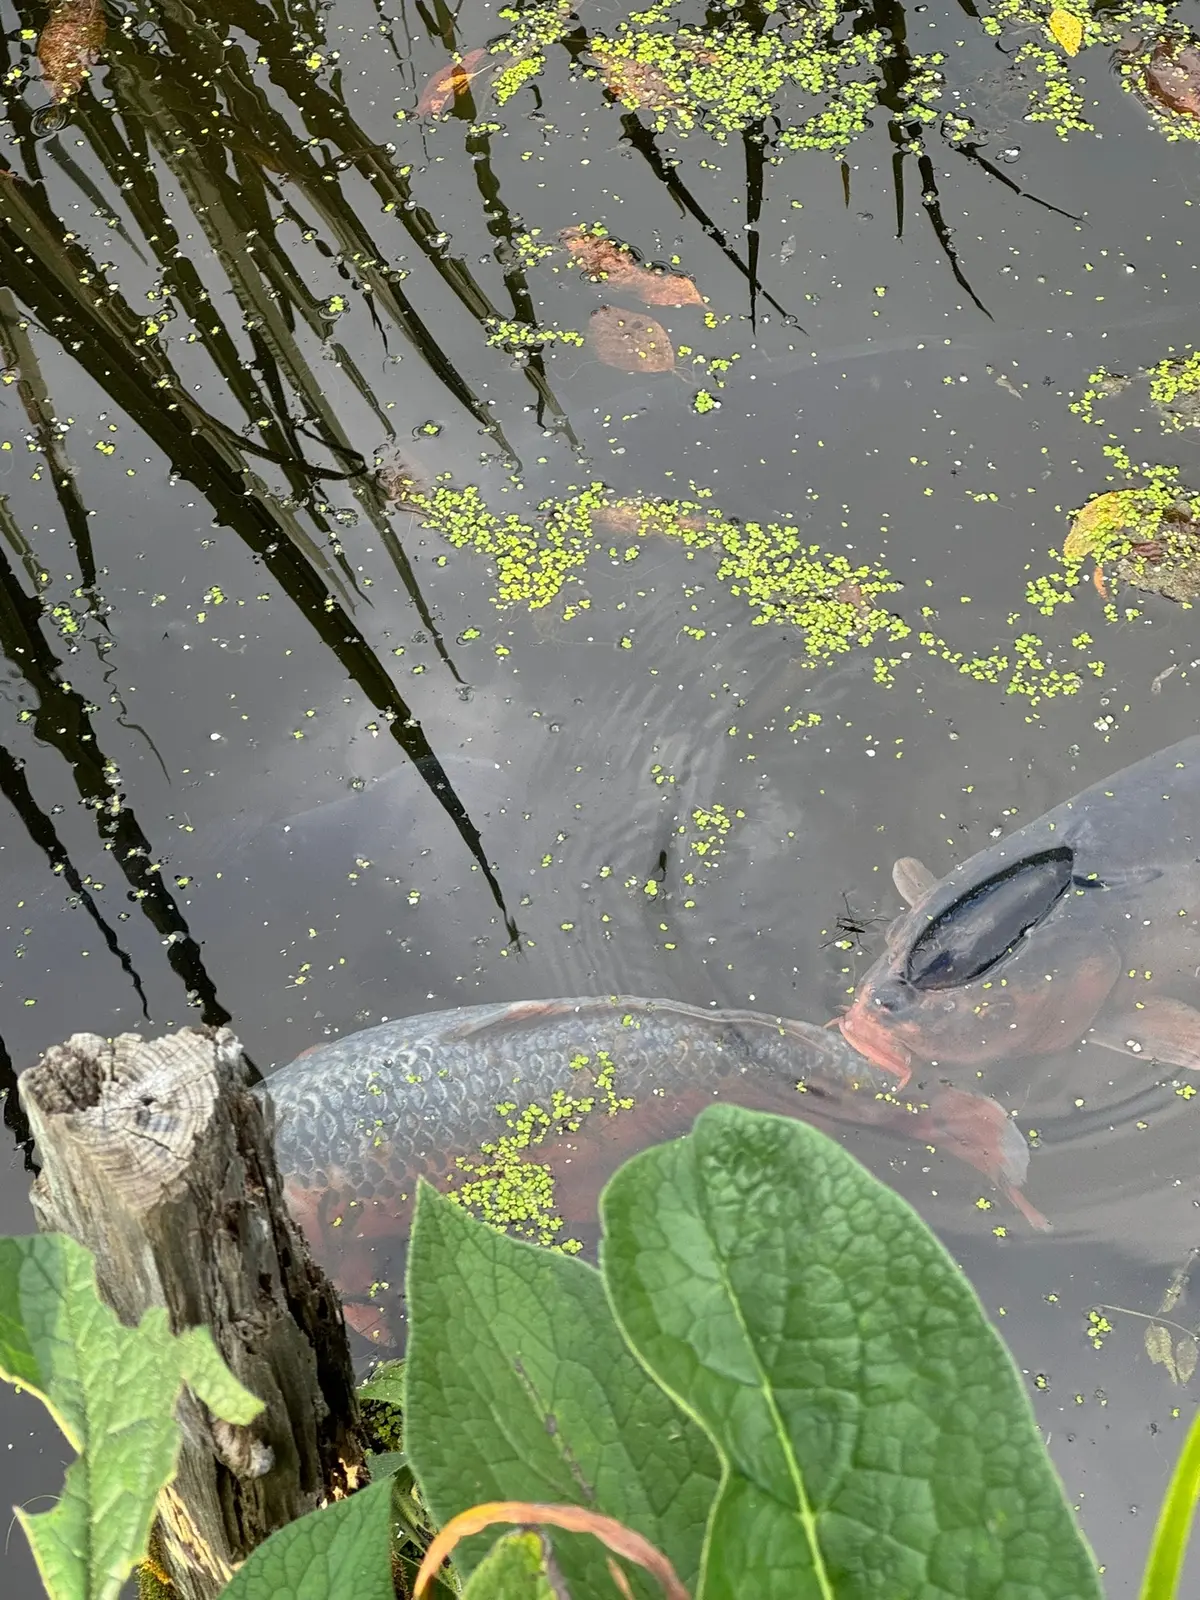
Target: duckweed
{"points": [[1043, 61], [835, 605], [509, 1190]]}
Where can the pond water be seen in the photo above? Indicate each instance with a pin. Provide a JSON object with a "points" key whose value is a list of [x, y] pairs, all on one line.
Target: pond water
{"points": [[276, 747]]}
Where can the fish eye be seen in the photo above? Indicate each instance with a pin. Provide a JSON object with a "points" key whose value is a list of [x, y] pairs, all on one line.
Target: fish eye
{"points": [[981, 928]]}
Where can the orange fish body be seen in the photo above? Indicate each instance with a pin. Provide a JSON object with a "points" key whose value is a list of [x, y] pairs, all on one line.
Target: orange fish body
{"points": [[1083, 923]]}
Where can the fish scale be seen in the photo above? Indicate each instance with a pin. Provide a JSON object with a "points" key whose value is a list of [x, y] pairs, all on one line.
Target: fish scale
{"points": [[389, 1101]]}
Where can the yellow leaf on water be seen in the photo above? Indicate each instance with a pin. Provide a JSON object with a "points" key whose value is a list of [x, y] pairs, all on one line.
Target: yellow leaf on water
{"points": [[1067, 29], [1098, 519]]}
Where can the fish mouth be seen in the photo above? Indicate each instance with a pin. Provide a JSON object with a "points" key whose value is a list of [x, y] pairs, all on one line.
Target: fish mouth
{"points": [[868, 1036]]}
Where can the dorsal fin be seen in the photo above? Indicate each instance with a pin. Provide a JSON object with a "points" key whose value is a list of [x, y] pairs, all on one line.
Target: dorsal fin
{"points": [[912, 878]]}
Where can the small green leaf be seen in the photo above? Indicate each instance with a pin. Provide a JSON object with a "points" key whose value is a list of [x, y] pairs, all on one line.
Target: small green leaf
{"points": [[386, 1383], [112, 1391], [874, 1433], [341, 1552], [513, 1569], [520, 1387]]}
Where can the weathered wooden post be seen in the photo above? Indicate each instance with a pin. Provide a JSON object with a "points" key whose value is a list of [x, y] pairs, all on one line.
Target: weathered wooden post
{"points": [[157, 1157]]}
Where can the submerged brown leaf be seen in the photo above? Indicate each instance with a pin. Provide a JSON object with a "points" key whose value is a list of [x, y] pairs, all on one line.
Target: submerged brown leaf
{"points": [[614, 262], [1172, 76], [630, 341], [451, 81], [70, 43]]}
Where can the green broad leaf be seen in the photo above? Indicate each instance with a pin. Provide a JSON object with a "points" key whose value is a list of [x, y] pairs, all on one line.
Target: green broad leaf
{"points": [[341, 1552], [513, 1569], [385, 1384], [520, 1387], [386, 1464], [112, 1390], [874, 1434]]}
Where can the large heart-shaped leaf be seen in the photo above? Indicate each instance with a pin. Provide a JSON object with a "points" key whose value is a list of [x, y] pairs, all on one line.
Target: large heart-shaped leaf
{"points": [[519, 1387], [875, 1436]]}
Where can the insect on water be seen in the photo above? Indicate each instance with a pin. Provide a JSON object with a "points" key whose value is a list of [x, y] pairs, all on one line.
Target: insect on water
{"points": [[849, 927]]}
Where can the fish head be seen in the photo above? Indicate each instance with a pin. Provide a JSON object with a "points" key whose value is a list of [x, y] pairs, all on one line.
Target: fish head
{"points": [[1029, 1011], [987, 967]]}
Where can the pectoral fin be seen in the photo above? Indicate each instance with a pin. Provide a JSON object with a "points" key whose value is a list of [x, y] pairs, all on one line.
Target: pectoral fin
{"points": [[913, 879], [979, 1131], [1161, 1029]]}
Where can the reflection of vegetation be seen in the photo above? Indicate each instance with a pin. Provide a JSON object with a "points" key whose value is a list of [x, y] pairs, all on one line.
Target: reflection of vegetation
{"points": [[184, 99], [220, 153]]}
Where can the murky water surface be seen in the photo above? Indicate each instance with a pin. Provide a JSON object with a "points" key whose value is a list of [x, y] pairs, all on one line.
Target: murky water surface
{"points": [[358, 662]]}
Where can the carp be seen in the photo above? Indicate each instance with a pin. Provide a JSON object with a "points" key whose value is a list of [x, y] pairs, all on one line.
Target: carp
{"points": [[1082, 924]]}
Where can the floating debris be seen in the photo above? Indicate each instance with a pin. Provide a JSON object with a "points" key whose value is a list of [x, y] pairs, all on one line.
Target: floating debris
{"points": [[451, 81], [70, 43], [1173, 75], [1164, 76]]}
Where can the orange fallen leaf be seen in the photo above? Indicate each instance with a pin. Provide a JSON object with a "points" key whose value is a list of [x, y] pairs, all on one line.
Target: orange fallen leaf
{"points": [[630, 341], [666, 289], [451, 81], [576, 1519], [609, 259], [599, 257], [1172, 77], [69, 44]]}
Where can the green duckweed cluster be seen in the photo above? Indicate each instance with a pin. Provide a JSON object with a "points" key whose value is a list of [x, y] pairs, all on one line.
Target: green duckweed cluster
{"points": [[1133, 61], [820, 82], [834, 604], [532, 29], [1054, 92], [1175, 390], [1174, 387], [522, 338], [725, 79], [507, 1187]]}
